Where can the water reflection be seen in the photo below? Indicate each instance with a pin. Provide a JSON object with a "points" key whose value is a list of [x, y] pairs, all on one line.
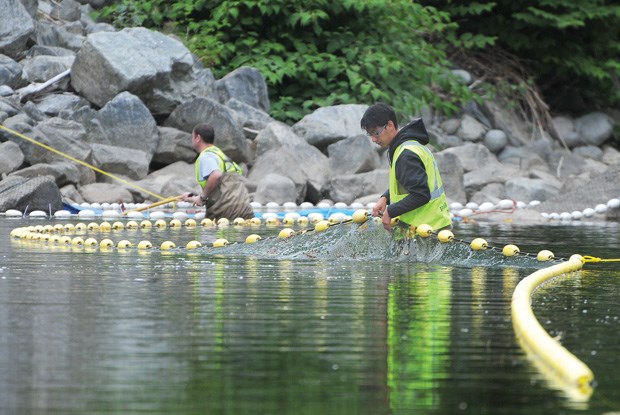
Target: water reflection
{"points": [[418, 339], [360, 328]]}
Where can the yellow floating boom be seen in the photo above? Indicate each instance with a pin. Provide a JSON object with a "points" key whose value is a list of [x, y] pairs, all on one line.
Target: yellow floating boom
{"points": [[567, 371]]}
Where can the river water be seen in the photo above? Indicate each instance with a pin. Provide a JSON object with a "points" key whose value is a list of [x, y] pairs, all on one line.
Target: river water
{"points": [[345, 321]]}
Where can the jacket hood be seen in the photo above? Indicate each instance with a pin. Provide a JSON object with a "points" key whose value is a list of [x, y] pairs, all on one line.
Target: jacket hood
{"points": [[415, 130]]}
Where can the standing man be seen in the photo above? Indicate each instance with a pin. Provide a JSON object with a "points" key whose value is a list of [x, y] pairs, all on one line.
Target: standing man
{"points": [[416, 195], [223, 191]]}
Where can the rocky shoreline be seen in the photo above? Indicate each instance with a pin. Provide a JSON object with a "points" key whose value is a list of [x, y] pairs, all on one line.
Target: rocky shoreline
{"points": [[89, 114]]}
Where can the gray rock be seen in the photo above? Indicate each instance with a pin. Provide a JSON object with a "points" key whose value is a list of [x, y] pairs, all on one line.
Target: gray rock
{"points": [[283, 162], [64, 173], [348, 188], [503, 119], [64, 136], [70, 194], [33, 112], [174, 179], [11, 157], [475, 180], [69, 36], [525, 189], [523, 158], [228, 134], [174, 145], [26, 195], [16, 26], [105, 192], [451, 172], [610, 156], [245, 84], [43, 50], [594, 128], [472, 156], [447, 141], [353, 155], [121, 160], [463, 75], [54, 104], [471, 129], [10, 72], [276, 135], [41, 68], [588, 151], [9, 106], [6, 91], [156, 68], [495, 140], [565, 128], [249, 116], [493, 192], [451, 126], [275, 188], [100, 27], [328, 125], [68, 10], [565, 164], [124, 122]]}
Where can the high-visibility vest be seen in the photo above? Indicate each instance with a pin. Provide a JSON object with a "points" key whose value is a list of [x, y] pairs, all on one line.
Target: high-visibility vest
{"points": [[225, 164], [434, 213]]}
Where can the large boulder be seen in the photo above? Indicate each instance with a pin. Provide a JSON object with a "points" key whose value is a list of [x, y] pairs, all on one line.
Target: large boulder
{"points": [[306, 166], [328, 125], [63, 136], [10, 72], [228, 133], [11, 157], [124, 122], [353, 155], [64, 173], [118, 160], [174, 179], [38, 193], [16, 27], [594, 128], [275, 188], [348, 188], [104, 193], [155, 67], [174, 145], [245, 84]]}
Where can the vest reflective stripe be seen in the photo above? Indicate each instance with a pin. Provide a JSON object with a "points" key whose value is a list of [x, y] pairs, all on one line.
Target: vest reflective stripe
{"points": [[435, 213], [224, 163]]}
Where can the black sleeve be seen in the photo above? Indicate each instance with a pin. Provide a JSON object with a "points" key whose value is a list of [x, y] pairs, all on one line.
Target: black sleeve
{"points": [[411, 175], [386, 194]]}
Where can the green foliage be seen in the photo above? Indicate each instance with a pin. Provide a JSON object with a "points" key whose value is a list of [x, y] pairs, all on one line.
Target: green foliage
{"points": [[568, 45], [316, 53]]}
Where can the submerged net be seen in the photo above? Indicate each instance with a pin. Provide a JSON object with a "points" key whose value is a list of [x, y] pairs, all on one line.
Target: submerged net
{"points": [[370, 241]]}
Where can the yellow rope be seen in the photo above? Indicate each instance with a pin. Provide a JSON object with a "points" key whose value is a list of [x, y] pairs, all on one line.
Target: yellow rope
{"points": [[596, 259], [90, 166]]}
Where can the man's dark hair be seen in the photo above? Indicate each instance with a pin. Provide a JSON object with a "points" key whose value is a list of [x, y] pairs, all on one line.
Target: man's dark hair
{"points": [[378, 115], [205, 131]]}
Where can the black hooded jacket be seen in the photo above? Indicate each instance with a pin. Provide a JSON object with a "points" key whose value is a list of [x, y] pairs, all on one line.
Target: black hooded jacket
{"points": [[410, 171]]}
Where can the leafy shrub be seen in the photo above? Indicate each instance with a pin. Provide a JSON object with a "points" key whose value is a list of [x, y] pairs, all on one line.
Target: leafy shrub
{"points": [[315, 53]]}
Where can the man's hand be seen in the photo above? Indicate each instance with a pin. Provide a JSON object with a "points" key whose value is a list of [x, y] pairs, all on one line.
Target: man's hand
{"points": [[190, 197], [187, 197], [380, 210], [387, 221], [380, 207]]}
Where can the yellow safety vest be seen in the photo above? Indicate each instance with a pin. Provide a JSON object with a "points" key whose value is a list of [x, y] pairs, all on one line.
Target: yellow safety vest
{"points": [[435, 213], [225, 164]]}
